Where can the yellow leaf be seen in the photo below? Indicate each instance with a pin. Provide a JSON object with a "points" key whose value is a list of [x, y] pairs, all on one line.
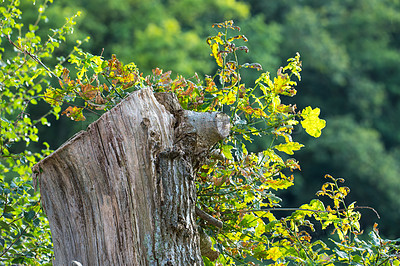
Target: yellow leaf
{"points": [[226, 151], [230, 98], [53, 97], [274, 253], [75, 113], [289, 147], [340, 234], [312, 123]]}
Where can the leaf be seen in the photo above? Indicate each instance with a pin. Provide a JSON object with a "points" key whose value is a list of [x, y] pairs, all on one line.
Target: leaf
{"points": [[88, 91], [75, 113], [216, 54], [277, 184], [289, 147], [4, 226], [260, 229], [252, 65], [226, 151], [312, 123], [237, 38], [274, 253], [29, 215], [53, 97], [341, 254], [207, 261], [8, 209], [229, 98]]}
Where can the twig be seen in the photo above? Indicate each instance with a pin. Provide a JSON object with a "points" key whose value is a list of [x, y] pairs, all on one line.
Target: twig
{"points": [[297, 209], [205, 216], [35, 58]]}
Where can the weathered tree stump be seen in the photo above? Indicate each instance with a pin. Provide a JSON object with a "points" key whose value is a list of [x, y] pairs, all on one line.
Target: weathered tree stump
{"points": [[123, 192]]}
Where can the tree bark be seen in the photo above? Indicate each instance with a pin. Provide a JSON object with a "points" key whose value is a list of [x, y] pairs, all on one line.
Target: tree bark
{"points": [[123, 192]]}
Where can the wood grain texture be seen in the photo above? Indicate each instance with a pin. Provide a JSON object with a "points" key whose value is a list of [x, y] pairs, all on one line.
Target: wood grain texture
{"points": [[122, 192]]}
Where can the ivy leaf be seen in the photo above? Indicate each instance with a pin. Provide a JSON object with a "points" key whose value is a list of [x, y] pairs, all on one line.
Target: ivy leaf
{"points": [[289, 147], [312, 123]]}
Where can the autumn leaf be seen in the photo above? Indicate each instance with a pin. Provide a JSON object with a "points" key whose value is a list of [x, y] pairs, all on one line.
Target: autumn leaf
{"points": [[75, 113], [53, 97], [88, 91], [252, 65]]}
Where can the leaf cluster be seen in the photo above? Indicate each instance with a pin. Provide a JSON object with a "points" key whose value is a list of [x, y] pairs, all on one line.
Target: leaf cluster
{"points": [[25, 235]]}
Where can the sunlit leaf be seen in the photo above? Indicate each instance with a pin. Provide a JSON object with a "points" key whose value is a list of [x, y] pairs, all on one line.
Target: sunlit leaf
{"points": [[311, 121], [226, 151], [289, 147]]}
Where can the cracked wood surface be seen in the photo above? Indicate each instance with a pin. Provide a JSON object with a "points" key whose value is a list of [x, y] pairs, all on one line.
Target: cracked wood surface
{"points": [[122, 192]]}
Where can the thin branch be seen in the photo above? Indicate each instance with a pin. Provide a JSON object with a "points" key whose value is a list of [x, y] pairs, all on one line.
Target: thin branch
{"points": [[369, 208], [35, 58], [298, 209], [273, 209], [20, 235], [205, 216]]}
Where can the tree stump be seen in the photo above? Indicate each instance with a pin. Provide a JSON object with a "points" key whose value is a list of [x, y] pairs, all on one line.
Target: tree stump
{"points": [[123, 191]]}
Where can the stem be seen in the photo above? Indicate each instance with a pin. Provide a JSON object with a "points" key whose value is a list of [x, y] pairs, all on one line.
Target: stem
{"points": [[40, 14], [34, 57], [274, 209], [207, 217], [20, 235]]}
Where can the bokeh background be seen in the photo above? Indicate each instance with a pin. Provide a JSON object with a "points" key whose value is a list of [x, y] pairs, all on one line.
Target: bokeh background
{"points": [[351, 59]]}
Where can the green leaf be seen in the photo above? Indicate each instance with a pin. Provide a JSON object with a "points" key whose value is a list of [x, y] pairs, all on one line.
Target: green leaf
{"points": [[29, 215], [289, 147], [207, 261], [341, 254], [4, 226], [312, 123], [226, 151], [8, 209]]}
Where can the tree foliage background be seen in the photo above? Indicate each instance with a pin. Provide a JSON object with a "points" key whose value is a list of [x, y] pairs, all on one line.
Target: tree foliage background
{"points": [[351, 54]]}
